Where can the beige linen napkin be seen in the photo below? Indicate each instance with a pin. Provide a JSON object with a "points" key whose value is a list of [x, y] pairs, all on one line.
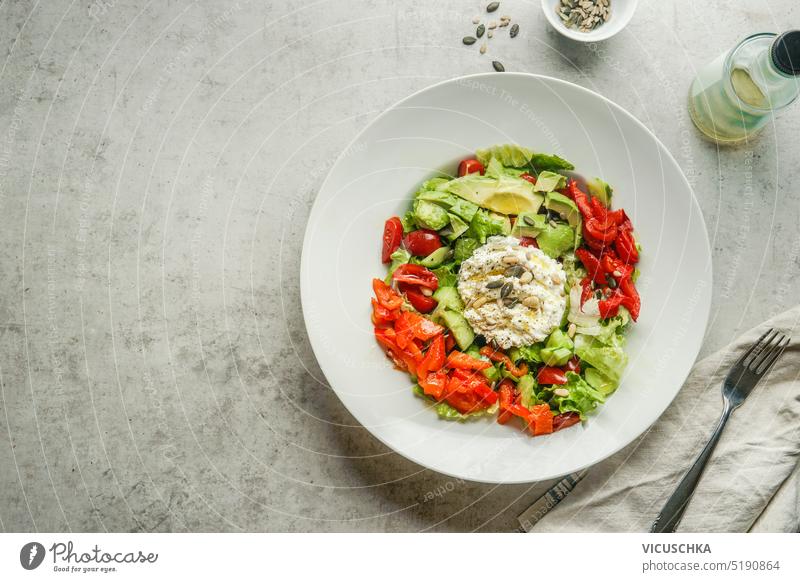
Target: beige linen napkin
{"points": [[750, 483]]}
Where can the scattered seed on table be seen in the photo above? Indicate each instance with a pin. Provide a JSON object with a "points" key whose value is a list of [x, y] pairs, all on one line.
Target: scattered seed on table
{"points": [[503, 23], [479, 32], [492, 6], [514, 31], [492, 25], [476, 20], [498, 66], [483, 48], [490, 34], [469, 40]]}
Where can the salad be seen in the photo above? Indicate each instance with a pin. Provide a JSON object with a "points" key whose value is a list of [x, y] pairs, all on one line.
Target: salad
{"points": [[509, 291]]}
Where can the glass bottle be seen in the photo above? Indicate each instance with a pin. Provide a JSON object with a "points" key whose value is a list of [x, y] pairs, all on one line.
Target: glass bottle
{"points": [[733, 97]]}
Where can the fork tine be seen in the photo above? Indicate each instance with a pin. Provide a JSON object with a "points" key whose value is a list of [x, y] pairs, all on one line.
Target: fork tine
{"points": [[774, 341], [752, 347], [776, 353]]}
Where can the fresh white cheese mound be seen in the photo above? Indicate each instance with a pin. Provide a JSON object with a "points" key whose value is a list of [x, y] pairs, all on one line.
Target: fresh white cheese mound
{"points": [[514, 295]]}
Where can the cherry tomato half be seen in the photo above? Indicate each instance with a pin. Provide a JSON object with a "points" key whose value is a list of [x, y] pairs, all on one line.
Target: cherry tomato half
{"points": [[470, 167], [549, 375], [392, 236], [528, 177], [422, 242], [573, 365], [526, 241], [421, 302]]}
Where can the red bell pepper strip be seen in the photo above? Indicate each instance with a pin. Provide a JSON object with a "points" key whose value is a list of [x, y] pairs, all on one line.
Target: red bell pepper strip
{"points": [[528, 177], [580, 198], [416, 275], [550, 375], [421, 327], [541, 420], [565, 420], [498, 356], [599, 231], [625, 245], [386, 295], [631, 300], [382, 316], [586, 289], [434, 358], [592, 264], [609, 307], [433, 384], [456, 359]]}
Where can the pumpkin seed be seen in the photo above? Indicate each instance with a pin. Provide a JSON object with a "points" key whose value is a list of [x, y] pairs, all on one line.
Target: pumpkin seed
{"points": [[506, 290], [480, 30], [515, 271], [492, 6], [469, 40], [494, 284], [612, 283], [498, 66], [514, 31], [528, 220], [510, 301]]}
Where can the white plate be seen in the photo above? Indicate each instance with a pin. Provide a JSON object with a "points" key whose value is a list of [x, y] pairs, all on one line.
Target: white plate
{"points": [[431, 131]]}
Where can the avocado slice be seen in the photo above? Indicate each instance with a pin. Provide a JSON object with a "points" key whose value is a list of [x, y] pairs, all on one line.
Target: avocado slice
{"points": [[601, 191], [523, 227], [564, 206], [556, 240], [506, 194], [548, 181]]}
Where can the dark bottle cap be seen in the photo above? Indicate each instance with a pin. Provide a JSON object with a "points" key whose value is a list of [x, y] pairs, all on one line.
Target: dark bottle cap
{"points": [[785, 52]]}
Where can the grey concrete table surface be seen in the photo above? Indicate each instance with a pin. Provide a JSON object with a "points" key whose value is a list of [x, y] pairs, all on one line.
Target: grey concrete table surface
{"points": [[158, 161]]}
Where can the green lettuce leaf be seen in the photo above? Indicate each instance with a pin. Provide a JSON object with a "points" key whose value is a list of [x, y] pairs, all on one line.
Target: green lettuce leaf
{"points": [[543, 162], [531, 353], [485, 224], [558, 349], [582, 398], [609, 359], [509, 155], [399, 257], [464, 248], [445, 274]]}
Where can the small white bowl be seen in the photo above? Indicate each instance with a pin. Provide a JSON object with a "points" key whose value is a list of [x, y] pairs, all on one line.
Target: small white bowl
{"points": [[618, 18]]}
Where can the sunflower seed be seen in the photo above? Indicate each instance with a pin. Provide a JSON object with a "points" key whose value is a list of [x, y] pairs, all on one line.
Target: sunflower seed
{"points": [[483, 48], [469, 40], [492, 25], [492, 6], [527, 219], [510, 259], [426, 292], [498, 66], [571, 330], [526, 277], [553, 224], [476, 20], [505, 18], [510, 301], [617, 274], [490, 34], [480, 30], [563, 392], [506, 290], [531, 301], [515, 271], [503, 23], [494, 284], [514, 31]]}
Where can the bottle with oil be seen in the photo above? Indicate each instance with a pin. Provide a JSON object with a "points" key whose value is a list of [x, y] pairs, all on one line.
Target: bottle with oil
{"points": [[732, 98]]}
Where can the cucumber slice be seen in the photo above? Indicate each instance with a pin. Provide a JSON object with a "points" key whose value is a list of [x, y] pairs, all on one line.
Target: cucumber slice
{"points": [[458, 325], [436, 258]]}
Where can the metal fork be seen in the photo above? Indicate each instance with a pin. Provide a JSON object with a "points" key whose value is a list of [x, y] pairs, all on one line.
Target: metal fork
{"points": [[740, 381]]}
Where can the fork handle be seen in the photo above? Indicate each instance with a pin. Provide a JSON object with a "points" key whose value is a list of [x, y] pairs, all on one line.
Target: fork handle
{"points": [[667, 521]]}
